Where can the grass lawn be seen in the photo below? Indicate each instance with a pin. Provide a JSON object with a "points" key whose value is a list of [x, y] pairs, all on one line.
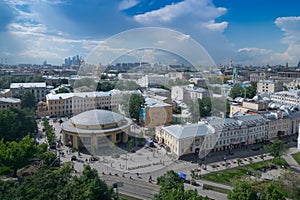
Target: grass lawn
{"points": [[228, 176], [216, 189], [296, 156]]}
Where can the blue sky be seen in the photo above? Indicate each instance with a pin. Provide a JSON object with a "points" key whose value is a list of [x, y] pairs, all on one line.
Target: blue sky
{"points": [[250, 32]]}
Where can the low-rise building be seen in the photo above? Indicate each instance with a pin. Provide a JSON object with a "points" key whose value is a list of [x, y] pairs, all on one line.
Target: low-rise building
{"points": [[294, 85], [9, 102], [74, 103], [291, 97], [269, 86], [156, 113], [278, 123], [239, 130], [188, 92], [39, 90], [248, 106], [186, 139]]}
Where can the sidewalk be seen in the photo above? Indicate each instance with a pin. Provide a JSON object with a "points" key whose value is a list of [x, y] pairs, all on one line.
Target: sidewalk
{"points": [[291, 161]]}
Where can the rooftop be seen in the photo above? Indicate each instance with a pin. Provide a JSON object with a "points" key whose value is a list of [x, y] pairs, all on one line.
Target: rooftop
{"points": [[189, 131], [9, 100], [96, 117], [27, 85]]}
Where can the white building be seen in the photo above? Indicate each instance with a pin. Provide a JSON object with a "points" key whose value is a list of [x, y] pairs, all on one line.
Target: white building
{"points": [[39, 90], [75, 103], [186, 139], [269, 86], [291, 97], [239, 130], [186, 92], [294, 85]]}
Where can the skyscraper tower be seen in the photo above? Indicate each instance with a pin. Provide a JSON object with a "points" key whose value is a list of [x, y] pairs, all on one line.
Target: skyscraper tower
{"points": [[234, 73]]}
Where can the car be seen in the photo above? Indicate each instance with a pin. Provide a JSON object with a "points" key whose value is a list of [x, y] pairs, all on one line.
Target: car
{"points": [[93, 158], [255, 149]]}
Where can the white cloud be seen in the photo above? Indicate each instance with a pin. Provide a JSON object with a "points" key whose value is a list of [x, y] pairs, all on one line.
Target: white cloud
{"points": [[291, 30], [212, 25], [190, 10], [125, 4]]}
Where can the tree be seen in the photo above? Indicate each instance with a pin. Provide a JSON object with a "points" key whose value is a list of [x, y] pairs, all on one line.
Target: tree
{"points": [[170, 180], [28, 100], [204, 106], [236, 91], [16, 124], [276, 149], [136, 102], [16, 155], [58, 183], [242, 190], [171, 187], [127, 85], [87, 186], [193, 107], [105, 86], [62, 90], [272, 191], [251, 90]]}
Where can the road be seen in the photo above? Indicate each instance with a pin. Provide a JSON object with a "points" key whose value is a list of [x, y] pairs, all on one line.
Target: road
{"points": [[135, 188]]}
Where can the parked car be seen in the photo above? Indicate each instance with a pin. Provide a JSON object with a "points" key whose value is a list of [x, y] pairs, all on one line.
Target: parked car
{"points": [[255, 149]]}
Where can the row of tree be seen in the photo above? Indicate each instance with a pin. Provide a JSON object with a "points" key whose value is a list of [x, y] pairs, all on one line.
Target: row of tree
{"points": [[49, 131], [58, 183]]}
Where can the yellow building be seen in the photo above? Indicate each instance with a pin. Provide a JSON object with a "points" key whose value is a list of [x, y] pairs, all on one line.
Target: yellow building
{"points": [[186, 139], [156, 113], [95, 130]]}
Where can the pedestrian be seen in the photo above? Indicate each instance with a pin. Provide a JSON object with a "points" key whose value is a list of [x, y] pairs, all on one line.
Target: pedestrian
{"points": [[137, 174]]}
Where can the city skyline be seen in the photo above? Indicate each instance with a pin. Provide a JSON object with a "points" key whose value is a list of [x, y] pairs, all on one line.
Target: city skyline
{"points": [[248, 32]]}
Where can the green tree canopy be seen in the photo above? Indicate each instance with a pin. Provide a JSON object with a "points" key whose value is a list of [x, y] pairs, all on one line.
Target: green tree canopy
{"points": [[16, 155], [62, 90], [28, 100], [272, 191], [15, 124], [276, 149], [105, 86], [251, 90], [242, 190], [236, 91], [127, 85], [205, 106], [171, 187], [49, 184], [136, 102]]}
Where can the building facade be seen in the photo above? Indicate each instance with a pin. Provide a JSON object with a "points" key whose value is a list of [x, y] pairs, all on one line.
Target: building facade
{"points": [[156, 113], [96, 131], [9, 102], [188, 92], [186, 139], [39, 90], [291, 97], [269, 86]]}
